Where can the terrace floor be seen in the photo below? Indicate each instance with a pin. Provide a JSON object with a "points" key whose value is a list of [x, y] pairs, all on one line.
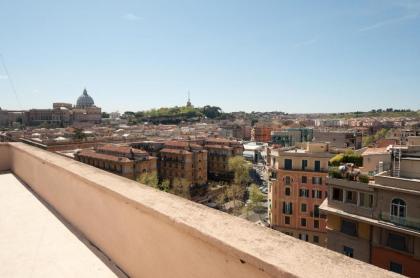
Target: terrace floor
{"points": [[35, 242]]}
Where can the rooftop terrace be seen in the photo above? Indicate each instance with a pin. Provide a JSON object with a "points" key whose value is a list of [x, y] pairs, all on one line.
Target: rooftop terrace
{"points": [[142, 231]]}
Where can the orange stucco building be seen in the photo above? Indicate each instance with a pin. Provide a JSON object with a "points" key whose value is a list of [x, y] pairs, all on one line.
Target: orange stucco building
{"points": [[297, 189]]}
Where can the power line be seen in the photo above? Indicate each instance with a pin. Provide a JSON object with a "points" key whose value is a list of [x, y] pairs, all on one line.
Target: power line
{"points": [[12, 85]]}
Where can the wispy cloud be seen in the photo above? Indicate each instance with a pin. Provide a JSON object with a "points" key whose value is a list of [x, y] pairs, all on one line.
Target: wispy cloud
{"points": [[305, 43], [130, 17], [4, 77], [387, 22]]}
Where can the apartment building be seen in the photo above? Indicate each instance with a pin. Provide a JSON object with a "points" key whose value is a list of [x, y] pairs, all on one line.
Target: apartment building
{"points": [[297, 189], [290, 136], [339, 139], [261, 134], [121, 160], [378, 222], [183, 160], [219, 152]]}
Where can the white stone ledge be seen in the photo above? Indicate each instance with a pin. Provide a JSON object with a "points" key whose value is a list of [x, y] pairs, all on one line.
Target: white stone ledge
{"points": [[149, 233]]}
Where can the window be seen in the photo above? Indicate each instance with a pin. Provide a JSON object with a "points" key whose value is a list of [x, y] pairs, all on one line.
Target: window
{"points": [[287, 180], [317, 180], [303, 207], [287, 220], [349, 228], [287, 191], [398, 208], [316, 239], [304, 164], [317, 194], [304, 179], [304, 193], [348, 251], [288, 165], [316, 211], [316, 224], [396, 267], [396, 242], [304, 237], [303, 222], [337, 194], [351, 197], [365, 200], [317, 166], [287, 208]]}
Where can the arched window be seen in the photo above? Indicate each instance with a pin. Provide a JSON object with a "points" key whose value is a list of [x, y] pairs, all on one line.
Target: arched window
{"points": [[398, 208]]}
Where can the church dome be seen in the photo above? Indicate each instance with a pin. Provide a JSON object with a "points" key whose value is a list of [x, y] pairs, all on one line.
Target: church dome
{"points": [[85, 100]]}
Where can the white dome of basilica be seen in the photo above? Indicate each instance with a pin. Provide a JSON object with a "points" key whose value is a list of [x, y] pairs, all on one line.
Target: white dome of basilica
{"points": [[85, 100]]}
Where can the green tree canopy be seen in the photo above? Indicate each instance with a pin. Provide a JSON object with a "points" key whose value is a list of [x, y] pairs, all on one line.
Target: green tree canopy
{"points": [[212, 112], [149, 178], [240, 167]]}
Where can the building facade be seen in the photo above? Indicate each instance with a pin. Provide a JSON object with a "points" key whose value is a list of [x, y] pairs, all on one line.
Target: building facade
{"points": [[183, 160], [378, 222], [339, 139], [219, 152], [261, 134], [297, 189], [121, 160], [289, 137], [61, 115]]}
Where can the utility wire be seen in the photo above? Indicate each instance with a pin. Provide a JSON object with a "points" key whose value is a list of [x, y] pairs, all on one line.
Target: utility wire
{"points": [[12, 85]]}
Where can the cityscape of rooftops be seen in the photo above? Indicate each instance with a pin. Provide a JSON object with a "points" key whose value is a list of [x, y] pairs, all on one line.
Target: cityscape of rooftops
{"points": [[210, 138]]}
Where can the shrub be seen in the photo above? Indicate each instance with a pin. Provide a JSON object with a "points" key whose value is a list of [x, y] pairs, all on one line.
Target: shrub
{"points": [[335, 173], [363, 178]]}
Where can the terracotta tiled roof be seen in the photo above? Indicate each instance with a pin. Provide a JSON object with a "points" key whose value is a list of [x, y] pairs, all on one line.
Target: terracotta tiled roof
{"points": [[370, 151], [121, 149], [184, 144], [177, 151], [101, 156], [218, 147]]}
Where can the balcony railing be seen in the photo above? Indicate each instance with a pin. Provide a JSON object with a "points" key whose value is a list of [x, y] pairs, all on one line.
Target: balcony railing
{"points": [[407, 222]]}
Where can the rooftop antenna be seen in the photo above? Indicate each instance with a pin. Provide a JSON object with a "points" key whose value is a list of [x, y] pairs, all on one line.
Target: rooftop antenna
{"points": [[12, 85], [189, 100]]}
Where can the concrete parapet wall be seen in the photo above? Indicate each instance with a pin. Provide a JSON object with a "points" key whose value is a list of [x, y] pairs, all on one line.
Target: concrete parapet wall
{"points": [[148, 233], [4, 157]]}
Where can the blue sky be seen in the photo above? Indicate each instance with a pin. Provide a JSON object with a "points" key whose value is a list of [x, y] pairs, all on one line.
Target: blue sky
{"points": [[293, 56]]}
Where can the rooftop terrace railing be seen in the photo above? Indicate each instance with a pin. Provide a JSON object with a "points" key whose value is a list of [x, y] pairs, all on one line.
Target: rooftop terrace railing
{"points": [[407, 222]]}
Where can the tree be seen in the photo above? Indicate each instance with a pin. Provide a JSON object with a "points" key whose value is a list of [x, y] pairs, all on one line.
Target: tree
{"points": [[139, 114], [211, 112], [181, 187], [382, 133], [240, 167], [235, 194], [79, 134], [165, 185], [105, 115], [348, 156], [256, 197], [44, 125], [149, 178]]}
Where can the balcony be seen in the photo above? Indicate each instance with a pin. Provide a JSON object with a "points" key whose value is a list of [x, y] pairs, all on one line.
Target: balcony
{"points": [[407, 222], [60, 217]]}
